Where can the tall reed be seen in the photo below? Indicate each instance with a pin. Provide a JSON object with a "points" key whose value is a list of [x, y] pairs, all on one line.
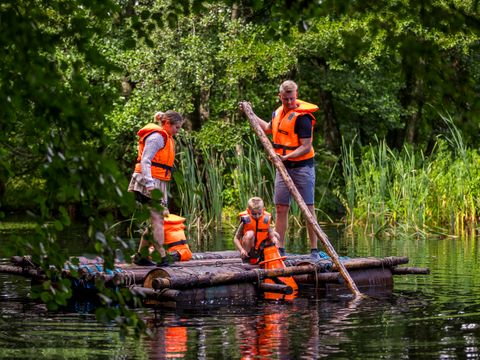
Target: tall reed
{"points": [[350, 174], [387, 190], [254, 174], [203, 178], [190, 187], [214, 166], [456, 184]]}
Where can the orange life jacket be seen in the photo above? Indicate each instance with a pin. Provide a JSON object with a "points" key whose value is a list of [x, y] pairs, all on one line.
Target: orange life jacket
{"points": [[175, 239], [283, 130], [176, 342], [273, 260], [260, 227], [162, 162]]}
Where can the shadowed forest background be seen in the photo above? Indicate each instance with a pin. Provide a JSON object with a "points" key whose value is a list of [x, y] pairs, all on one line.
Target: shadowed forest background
{"points": [[396, 139]]}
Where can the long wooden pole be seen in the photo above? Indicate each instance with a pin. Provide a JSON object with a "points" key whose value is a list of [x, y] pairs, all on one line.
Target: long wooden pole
{"points": [[246, 107]]}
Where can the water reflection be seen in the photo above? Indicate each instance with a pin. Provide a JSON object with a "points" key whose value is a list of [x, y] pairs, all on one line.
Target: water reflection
{"points": [[405, 325], [264, 336], [427, 317], [304, 328], [168, 342]]}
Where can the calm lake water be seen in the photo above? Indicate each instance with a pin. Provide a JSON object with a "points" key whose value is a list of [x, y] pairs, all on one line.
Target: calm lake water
{"points": [[434, 316]]}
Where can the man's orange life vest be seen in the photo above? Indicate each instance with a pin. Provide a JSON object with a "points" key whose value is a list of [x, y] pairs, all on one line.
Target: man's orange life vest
{"points": [[162, 162], [283, 129], [175, 239], [260, 227]]}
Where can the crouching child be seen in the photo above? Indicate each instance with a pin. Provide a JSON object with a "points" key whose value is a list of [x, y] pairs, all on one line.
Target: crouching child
{"points": [[254, 232]]}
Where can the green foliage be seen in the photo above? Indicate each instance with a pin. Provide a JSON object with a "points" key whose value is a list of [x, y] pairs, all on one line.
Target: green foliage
{"points": [[383, 64], [386, 190], [55, 88], [220, 135], [78, 79], [20, 192], [119, 304]]}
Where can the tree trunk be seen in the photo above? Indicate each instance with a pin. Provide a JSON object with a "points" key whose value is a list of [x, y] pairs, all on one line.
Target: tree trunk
{"points": [[202, 112], [412, 97], [331, 130], [411, 127], [235, 12]]}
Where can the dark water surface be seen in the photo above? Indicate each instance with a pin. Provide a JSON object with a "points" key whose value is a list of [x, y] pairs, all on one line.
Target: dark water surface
{"points": [[436, 316]]}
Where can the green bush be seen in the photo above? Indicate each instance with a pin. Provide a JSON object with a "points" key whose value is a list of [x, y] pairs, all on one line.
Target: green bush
{"points": [[20, 193]]}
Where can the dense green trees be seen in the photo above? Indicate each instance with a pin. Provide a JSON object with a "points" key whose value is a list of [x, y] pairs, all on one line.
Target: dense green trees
{"points": [[77, 79]]}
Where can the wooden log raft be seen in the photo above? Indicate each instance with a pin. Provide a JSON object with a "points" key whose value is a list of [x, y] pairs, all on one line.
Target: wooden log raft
{"points": [[370, 273], [212, 286], [211, 255], [362, 263], [25, 272], [204, 276], [162, 278], [195, 296], [216, 281], [410, 271], [132, 274]]}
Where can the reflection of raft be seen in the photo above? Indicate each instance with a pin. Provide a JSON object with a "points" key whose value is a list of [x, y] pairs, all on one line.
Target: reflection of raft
{"points": [[221, 278]]}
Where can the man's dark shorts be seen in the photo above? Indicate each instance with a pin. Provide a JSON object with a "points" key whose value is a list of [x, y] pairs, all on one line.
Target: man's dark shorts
{"points": [[303, 178]]}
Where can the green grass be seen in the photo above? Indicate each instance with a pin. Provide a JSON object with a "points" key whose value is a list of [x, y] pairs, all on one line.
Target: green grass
{"points": [[387, 191], [17, 226]]}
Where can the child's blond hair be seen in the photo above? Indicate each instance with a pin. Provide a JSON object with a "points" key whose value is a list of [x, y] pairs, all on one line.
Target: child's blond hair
{"points": [[255, 203]]}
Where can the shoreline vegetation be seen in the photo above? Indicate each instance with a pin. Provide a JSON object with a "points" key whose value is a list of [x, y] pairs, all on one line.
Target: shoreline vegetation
{"points": [[383, 192], [390, 192]]}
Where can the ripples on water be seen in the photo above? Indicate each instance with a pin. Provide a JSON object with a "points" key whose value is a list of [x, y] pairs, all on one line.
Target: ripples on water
{"points": [[405, 325], [427, 317]]}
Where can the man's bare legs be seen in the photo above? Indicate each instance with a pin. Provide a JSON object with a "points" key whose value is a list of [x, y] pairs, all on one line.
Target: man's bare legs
{"points": [[281, 223], [281, 226], [312, 235]]}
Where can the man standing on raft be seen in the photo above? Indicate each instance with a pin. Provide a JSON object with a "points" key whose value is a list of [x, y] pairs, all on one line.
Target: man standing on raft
{"points": [[292, 132]]}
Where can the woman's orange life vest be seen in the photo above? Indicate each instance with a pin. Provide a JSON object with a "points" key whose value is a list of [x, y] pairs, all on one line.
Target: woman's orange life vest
{"points": [[283, 129], [162, 162], [260, 227], [175, 239]]}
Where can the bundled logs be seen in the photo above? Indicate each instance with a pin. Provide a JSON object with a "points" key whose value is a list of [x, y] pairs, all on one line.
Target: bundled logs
{"points": [[222, 277]]}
